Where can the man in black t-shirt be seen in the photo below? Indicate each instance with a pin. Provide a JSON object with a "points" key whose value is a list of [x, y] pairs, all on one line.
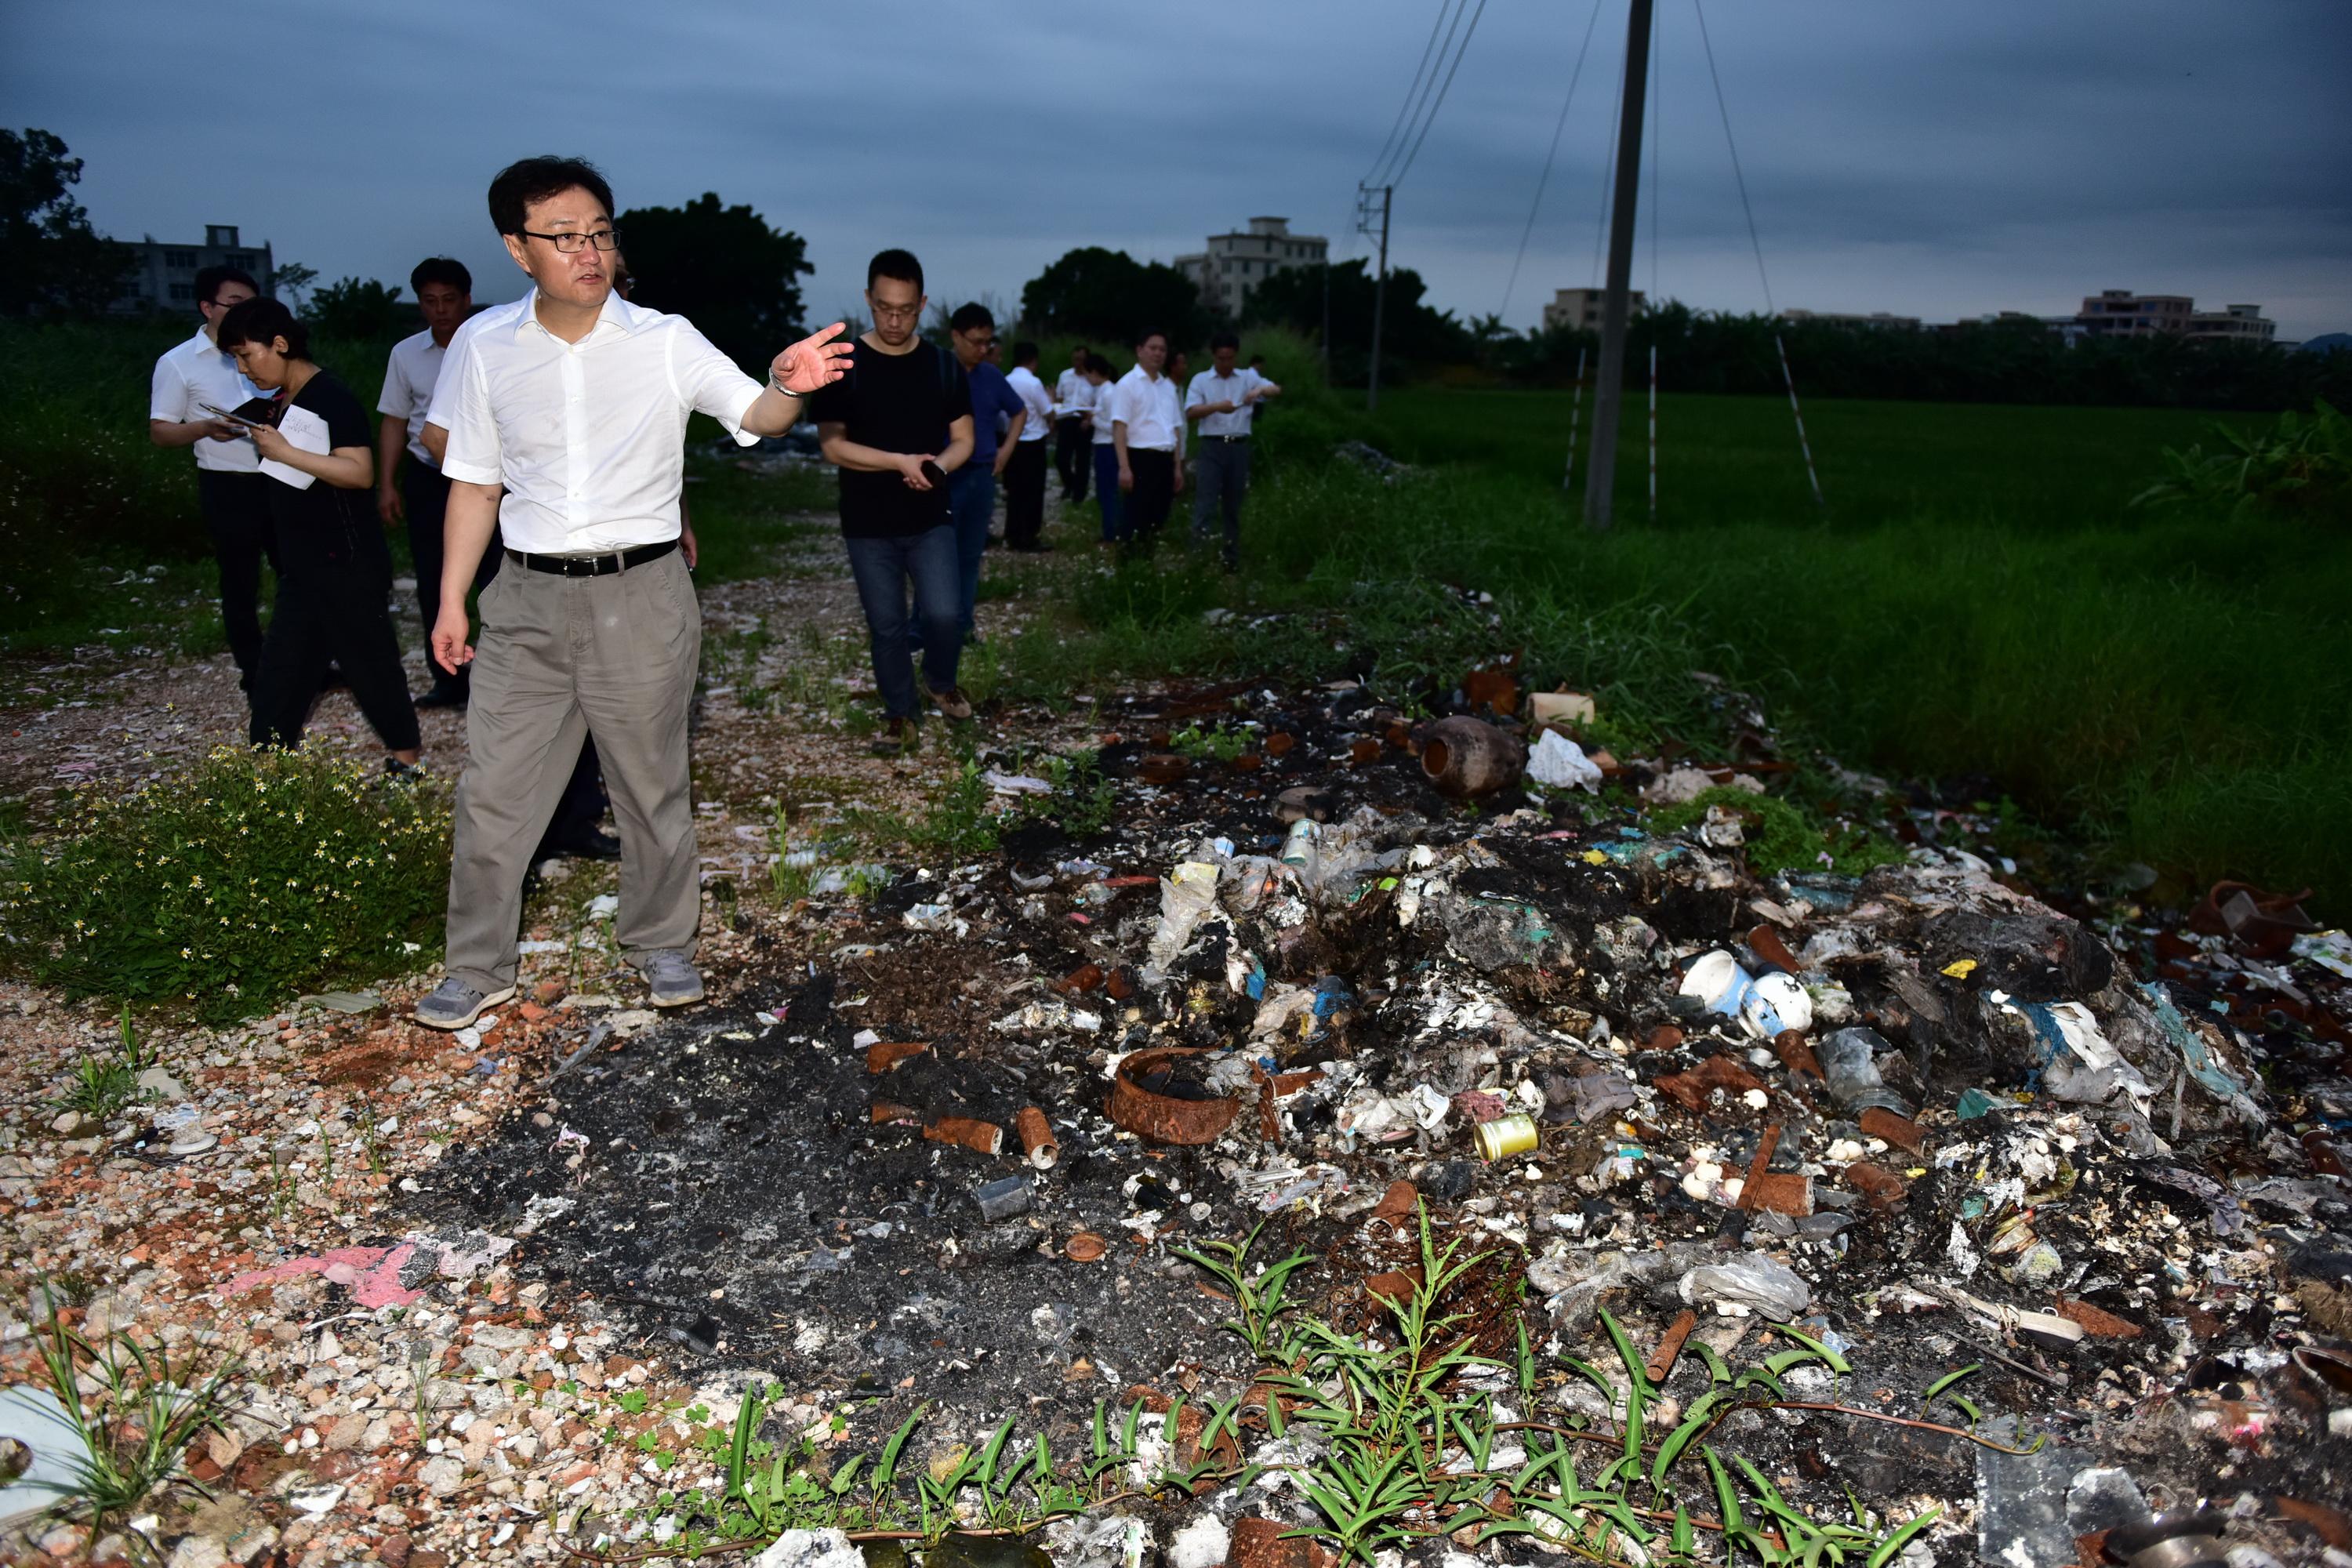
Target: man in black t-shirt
{"points": [[896, 427]]}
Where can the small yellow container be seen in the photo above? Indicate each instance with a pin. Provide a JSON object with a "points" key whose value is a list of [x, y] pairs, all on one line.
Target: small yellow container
{"points": [[1504, 1137]]}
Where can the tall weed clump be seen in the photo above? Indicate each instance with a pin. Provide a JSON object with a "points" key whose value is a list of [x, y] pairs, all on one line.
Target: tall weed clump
{"points": [[231, 887]]}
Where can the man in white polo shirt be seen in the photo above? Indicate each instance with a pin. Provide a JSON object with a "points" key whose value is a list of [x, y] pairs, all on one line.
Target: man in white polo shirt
{"points": [[230, 486], [574, 404], [1073, 448], [1148, 432], [1222, 400], [418, 491]]}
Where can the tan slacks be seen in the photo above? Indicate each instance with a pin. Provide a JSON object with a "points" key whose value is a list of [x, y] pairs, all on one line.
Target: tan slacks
{"points": [[612, 657]]}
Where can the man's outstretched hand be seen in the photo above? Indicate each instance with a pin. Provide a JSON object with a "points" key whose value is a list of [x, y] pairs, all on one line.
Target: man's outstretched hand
{"points": [[816, 361]]}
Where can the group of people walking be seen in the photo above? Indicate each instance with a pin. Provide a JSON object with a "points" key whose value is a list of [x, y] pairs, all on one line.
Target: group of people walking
{"points": [[534, 452]]}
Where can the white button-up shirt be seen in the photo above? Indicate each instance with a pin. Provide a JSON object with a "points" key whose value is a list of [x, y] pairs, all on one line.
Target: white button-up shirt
{"points": [[1098, 404], [1146, 405], [408, 380], [196, 372], [1035, 399], [1072, 393], [1209, 388], [587, 437]]}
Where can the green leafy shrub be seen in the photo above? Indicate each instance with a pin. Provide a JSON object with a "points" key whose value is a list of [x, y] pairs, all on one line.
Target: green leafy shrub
{"points": [[2301, 465], [231, 885]]}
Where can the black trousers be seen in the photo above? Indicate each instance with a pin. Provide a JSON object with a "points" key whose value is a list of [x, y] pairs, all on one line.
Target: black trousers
{"points": [[1154, 491], [1073, 458], [1025, 494], [425, 494], [334, 614], [236, 514]]}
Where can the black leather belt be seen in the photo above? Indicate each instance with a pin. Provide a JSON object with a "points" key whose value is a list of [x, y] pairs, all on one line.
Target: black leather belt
{"points": [[591, 565], [1205, 437]]}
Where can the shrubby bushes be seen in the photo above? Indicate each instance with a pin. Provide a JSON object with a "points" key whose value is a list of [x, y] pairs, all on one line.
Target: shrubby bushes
{"points": [[233, 885]]}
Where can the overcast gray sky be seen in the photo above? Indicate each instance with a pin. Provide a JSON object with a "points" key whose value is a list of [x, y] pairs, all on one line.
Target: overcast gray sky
{"points": [[1932, 161]]}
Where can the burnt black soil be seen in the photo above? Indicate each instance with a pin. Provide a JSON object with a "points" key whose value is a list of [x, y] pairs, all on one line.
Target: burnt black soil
{"points": [[722, 1181]]}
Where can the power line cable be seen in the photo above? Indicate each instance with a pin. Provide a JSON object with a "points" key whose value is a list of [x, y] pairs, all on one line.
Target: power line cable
{"points": [[1545, 178], [1419, 71], [1398, 178], [1732, 143], [1418, 99]]}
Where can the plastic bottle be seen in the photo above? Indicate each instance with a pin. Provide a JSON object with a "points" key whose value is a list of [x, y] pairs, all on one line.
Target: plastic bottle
{"points": [[1850, 1065]]}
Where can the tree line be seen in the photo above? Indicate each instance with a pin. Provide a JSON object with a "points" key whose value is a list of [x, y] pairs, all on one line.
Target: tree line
{"points": [[739, 277]]}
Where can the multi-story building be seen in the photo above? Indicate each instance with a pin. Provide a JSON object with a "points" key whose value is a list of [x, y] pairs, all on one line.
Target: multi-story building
{"points": [[1234, 264], [2232, 324], [1578, 310], [2120, 313], [1877, 321], [165, 276]]}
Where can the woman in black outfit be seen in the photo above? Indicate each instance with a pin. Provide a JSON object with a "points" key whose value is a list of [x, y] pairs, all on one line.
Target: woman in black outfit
{"points": [[334, 575]]}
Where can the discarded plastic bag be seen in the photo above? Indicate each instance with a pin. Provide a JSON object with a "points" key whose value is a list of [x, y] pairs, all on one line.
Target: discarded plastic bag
{"points": [[1849, 1061], [1750, 1282], [1186, 897], [1560, 763]]}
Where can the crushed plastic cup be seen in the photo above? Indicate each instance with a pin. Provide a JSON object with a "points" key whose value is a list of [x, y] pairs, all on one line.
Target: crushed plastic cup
{"points": [[1718, 984], [1849, 1061], [1775, 1003]]}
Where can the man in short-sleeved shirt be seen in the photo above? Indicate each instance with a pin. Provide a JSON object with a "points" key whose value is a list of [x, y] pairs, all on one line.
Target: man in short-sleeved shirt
{"points": [[1025, 476], [230, 486], [1148, 432], [1072, 451], [417, 490], [971, 489], [1223, 401], [904, 405], [566, 430]]}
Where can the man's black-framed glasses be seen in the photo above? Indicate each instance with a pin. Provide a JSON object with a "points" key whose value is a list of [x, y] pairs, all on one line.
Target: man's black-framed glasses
{"points": [[571, 243]]}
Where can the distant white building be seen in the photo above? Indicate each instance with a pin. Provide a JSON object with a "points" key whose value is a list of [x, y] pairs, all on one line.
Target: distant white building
{"points": [[1234, 264], [165, 276], [1580, 309], [2232, 324]]}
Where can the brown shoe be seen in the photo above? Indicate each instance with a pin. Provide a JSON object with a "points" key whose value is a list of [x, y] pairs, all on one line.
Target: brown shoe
{"points": [[952, 702], [897, 735]]}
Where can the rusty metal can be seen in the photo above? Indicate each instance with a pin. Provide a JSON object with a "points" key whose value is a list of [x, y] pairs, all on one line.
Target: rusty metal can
{"points": [[1504, 1137]]}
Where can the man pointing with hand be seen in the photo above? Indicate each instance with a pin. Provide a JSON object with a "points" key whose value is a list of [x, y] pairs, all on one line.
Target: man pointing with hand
{"points": [[573, 403]]}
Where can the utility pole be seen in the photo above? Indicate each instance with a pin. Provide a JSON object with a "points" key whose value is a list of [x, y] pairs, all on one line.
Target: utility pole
{"points": [[1365, 195], [1327, 313], [1601, 473]]}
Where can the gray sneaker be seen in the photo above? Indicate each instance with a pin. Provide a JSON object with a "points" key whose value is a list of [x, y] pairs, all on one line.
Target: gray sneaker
{"points": [[453, 1004], [672, 980]]}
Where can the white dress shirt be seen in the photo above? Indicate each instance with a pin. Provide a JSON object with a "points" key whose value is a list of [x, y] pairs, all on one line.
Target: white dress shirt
{"points": [[1209, 388], [587, 437], [196, 372], [1035, 399], [1099, 403], [1146, 405], [1072, 392], [408, 380]]}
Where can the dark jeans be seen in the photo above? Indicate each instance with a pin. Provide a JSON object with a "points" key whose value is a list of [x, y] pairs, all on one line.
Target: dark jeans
{"points": [[236, 514], [1220, 482], [1073, 458], [1107, 492], [883, 570], [425, 494], [972, 502], [1154, 493], [334, 616], [1025, 494]]}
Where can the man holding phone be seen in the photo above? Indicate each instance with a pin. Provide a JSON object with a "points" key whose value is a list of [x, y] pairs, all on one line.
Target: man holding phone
{"points": [[189, 383], [897, 426]]}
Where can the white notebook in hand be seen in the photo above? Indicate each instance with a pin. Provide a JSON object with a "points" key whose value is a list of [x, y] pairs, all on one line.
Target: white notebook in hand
{"points": [[308, 433]]}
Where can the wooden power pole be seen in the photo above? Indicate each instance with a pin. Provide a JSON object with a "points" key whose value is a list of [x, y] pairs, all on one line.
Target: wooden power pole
{"points": [[1600, 472]]}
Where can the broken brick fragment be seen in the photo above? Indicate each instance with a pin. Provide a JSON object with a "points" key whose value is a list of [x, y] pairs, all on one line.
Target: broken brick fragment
{"points": [[2099, 1323], [1692, 1090], [1796, 1053], [1880, 1187], [1900, 1130], [1083, 978], [884, 1055], [1362, 750], [1779, 1192], [1766, 943]]}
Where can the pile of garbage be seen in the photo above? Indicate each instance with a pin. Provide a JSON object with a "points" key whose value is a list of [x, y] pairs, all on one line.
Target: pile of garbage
{"points": [[1918, 1115]]}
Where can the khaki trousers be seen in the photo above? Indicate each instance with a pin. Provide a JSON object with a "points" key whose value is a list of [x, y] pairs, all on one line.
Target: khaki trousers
{"points": [[561, 657]]}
